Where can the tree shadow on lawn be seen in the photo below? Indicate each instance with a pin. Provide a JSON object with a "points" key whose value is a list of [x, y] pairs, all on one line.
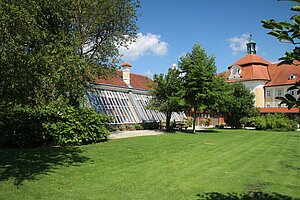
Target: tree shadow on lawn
{"points": [[26, 164], [201, 131], [249, 196]]}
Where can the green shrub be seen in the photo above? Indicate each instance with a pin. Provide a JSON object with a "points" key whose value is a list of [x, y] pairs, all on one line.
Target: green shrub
{"points": [[189, 122], [222, 126], [20, 127], [150, 125], [122, 127], [129, 127], [259, 122], [70, 126], [138, 127], [23, 126], [203, 122], [277, 122], [244, 121]]}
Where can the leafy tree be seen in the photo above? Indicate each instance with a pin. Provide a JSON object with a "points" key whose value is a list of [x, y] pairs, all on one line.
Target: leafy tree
{"points": [[287, 32], [50, 50], [235, 103], [166, 94], [198, 70]]}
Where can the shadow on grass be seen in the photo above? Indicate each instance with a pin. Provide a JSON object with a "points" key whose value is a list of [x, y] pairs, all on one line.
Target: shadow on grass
{"points": [[26, 164], [201, 131], [250, 196]]}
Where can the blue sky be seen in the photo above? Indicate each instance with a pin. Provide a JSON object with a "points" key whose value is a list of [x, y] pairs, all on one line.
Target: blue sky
{"points": [[169, 28]]}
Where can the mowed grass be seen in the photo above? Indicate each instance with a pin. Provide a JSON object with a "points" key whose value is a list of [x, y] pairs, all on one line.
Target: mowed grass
{"points": [[227, 164]]}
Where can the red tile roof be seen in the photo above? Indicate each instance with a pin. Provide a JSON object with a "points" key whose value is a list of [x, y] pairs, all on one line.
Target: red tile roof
{"points": [[252, 72], [115, 80], [280, 75], [256, 68], [278, 110], [136, 81], [140, 82], [251, 59]]}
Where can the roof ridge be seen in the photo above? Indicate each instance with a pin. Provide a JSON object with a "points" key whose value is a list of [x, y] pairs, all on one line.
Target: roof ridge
{"points": [[135, 74]]}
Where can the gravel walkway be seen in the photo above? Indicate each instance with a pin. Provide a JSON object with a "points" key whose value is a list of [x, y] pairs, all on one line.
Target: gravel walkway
{"points": [[126, 134]]}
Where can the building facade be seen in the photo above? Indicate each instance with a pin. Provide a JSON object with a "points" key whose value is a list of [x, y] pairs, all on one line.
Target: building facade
{"points": [[266, 80], [125, 96]]}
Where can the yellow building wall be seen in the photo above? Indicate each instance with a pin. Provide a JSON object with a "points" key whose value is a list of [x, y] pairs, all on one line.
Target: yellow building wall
{"points": [[259, 98]]}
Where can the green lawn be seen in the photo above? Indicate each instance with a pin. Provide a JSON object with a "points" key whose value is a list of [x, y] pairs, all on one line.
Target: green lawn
{"points": [[227, 164]]}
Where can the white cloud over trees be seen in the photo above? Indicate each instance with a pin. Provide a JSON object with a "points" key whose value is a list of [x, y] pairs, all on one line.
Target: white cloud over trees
{"points": [[144, 45]]}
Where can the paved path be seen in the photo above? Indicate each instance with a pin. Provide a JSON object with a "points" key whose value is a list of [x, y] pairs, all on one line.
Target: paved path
{"points": [[126, 134]]}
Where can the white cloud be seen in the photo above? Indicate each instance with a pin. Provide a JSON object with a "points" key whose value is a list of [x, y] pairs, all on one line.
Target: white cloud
{"points": [[148, 73], [144, 45], [238, 44]]}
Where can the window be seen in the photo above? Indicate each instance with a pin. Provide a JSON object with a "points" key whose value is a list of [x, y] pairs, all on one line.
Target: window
{"points": [[268, 93], [268, 106], [279, 93], [292, 77], [292, 92]]}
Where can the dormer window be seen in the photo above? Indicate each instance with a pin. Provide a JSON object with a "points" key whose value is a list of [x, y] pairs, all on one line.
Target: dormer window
{"points": [[292, 77], [235, 72]]}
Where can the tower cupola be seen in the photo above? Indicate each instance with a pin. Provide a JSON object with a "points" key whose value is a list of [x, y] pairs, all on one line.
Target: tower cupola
{"points": [[251, 46]]}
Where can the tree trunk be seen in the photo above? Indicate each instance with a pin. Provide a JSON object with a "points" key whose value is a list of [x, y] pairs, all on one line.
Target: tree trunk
{"points": [[168, 119], [194, 122]]}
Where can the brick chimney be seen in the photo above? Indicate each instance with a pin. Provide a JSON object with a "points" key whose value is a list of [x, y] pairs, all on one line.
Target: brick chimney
{"points": [[126, 72]]}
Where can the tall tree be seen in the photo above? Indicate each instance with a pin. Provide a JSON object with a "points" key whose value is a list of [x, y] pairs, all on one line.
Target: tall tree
{"points": [[50, 50], [198, 70], [167, 93]]}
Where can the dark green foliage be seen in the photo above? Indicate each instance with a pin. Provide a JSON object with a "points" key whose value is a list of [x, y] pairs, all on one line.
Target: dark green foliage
{"points": [[277, 122], [167, 94], [235, 103], [287, 32], [70, 126], [198, 71], [23, 126], [20, 126], [52, 49], [244, 121], [49, 52], [150, 125], [138, 127]]}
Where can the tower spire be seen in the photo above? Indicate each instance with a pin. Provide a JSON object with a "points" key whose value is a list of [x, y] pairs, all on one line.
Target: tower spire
{"points": [[251, 46]]}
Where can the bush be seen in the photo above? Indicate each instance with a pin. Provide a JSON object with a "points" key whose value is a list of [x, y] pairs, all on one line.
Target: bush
{"points": [[138, 127], [150, 125], [244, 121], [20, 127], [70, 126], [277, 122], [190, 122], [222, 126], [23, 126], [130, 127], [122, 127]]}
